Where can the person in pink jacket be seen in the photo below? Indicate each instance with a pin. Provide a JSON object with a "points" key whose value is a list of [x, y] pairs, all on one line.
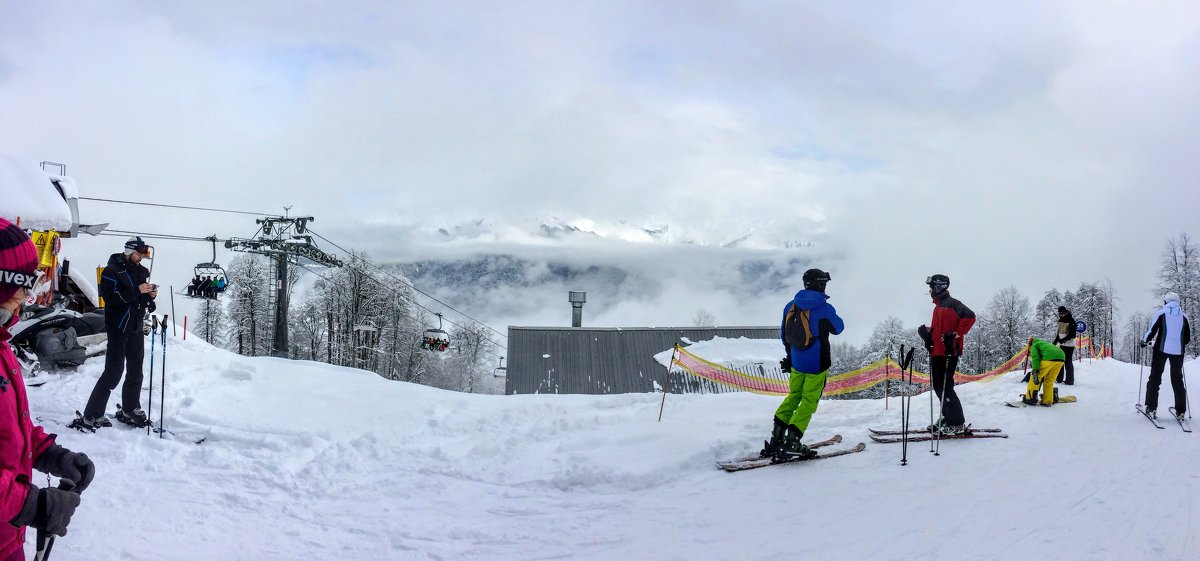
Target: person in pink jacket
{"points": [[25, 446]]}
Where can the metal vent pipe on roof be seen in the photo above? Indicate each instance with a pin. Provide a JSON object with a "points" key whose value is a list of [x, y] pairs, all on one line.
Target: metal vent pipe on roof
{"points": [[576, 299]]}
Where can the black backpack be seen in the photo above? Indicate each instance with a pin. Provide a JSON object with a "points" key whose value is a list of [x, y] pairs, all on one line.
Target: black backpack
{"points": [[796, 330]]}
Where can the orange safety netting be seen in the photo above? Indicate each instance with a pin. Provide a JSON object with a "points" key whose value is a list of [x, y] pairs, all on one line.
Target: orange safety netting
{"points": [[854, 380]]}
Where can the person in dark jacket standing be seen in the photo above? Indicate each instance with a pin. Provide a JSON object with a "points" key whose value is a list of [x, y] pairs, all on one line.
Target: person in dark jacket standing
{"points": [[1171, 333], [1065, 339], [128, 296], [944, 341], [808, 320], [25, 446]]}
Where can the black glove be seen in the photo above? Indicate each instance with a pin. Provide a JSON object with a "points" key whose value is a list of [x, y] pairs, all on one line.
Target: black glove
{"points": [[61, 462], [948, 340], [785, 365], [151, 307], [926, 336], [47, 509], [1143, 343]]}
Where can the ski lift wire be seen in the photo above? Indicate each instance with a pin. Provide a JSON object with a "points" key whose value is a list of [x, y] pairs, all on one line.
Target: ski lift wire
{"points": [[178, 206], [415, 303], [410, 284]]}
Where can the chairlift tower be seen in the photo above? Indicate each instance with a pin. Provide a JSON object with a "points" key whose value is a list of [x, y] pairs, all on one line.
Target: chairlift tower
{"points": [[285, 240]]}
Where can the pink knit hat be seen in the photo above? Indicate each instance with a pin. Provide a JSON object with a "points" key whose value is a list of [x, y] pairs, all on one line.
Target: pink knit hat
{"points": [[18, 260]]}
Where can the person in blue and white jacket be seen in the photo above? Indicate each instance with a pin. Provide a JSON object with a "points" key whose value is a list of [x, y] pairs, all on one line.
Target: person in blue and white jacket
{"points": [[1171, 333]]}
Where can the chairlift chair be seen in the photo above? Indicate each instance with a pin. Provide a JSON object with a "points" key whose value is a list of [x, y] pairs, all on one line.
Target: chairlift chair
{"points": [[208, 271], [500, 371], [436, 340]]}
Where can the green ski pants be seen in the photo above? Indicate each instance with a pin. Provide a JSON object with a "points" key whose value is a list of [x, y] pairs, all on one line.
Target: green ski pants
{"points": [[804, 391]]}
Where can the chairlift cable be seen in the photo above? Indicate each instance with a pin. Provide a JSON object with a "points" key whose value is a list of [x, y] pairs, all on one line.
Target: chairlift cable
{"points": [[411, 285], [415, 303], [179, 206]]}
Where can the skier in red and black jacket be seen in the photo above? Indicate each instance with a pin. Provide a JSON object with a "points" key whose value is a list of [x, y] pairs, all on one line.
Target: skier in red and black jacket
{"points": [[944, 341]]}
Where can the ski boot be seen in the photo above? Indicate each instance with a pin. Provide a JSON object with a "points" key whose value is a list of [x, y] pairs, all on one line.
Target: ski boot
{"points": [[136, 418], [952, 430], [83, 423], [1029, 399], [1152, 413], [1055, 395], [771, 447], [792, 449], [934, 428]]}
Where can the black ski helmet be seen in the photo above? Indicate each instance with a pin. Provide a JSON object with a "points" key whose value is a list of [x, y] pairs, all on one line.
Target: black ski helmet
{"points": [[939, 283], [815, 279]]}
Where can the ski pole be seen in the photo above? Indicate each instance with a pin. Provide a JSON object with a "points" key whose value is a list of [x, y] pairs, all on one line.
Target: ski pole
{"points": [[905, 402], [1183, 374], [45, 540], [931, 427], [903, 426], [942, 410], [162, 395], [1141, 372], [150, 402]]}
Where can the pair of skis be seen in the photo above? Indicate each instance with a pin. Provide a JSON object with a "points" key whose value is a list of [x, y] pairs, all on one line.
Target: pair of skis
{"points": [[757, 461], [885, 436], [1182, 424]]}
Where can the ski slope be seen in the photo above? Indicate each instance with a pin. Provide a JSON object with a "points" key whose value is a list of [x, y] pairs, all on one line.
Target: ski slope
{"points": [[306, 461]]}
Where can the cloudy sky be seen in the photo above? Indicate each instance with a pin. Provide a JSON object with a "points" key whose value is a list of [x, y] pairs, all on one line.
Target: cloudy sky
{"points": [[1036, 144]]}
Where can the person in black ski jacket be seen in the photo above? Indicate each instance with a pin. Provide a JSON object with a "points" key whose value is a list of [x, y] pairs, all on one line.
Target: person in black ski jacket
{"points": [[128, 296], [1065, 339]]}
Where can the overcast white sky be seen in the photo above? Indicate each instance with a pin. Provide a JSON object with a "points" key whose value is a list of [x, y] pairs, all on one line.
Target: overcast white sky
{"points": [[1030, 143]]}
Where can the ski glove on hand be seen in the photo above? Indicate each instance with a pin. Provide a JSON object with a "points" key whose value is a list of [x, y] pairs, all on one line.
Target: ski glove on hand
{"points": [[47, 509], [61, 462], [785, 365], [948, 340], [926, 337], [1143, 343]]}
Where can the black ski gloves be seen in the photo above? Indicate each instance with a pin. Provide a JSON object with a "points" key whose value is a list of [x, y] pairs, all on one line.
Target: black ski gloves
{"points": [[785, 365], [60, 462], [926, 337], [47, 509]]}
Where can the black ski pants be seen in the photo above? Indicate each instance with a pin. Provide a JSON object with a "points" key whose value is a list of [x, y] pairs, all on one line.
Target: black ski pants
{"points": [[1067, 375], [1157, 364], [125, 352], [942, 376]]}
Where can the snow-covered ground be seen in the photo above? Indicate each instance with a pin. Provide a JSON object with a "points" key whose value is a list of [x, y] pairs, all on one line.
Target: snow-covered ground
{"points": [[306, 461]]}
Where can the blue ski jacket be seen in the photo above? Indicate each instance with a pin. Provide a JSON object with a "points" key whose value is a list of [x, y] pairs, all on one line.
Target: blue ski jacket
{"points": [[823, 321]]}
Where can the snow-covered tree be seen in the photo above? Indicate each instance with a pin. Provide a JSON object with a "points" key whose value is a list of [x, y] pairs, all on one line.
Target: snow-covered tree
{"points": [[250, 313], [1130, 349], [211, 322], [704, 318], [1004, 327], [1179, 271], [1045, 314]]}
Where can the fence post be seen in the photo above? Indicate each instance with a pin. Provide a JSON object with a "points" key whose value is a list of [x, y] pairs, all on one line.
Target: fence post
{"points": [[667, 382]]}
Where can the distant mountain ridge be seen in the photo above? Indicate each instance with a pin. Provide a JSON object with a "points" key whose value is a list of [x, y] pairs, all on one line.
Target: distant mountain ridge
{"points": [[766, 235]]}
